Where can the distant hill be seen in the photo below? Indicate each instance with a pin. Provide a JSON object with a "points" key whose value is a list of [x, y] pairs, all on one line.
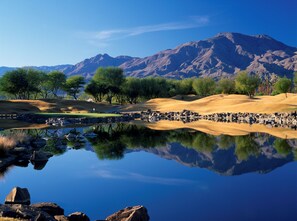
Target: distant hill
{"points": [[88, 66], [41, 68], [222, 55], [5, 69]]}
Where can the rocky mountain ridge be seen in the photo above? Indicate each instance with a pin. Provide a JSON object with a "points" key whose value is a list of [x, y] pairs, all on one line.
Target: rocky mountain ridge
{"points": [[222, 55]]}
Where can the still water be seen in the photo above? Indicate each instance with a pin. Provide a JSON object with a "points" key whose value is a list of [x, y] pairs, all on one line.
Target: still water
{"points": [[181, 175]]}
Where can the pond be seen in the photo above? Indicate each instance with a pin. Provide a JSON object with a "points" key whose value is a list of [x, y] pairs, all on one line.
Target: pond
{"points": [[178, 175]]}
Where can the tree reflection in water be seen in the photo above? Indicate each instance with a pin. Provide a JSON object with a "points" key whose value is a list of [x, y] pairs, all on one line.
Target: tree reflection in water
{"points": [[111, 141]]}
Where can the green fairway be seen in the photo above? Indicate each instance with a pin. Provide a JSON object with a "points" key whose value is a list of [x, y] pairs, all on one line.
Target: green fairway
{"points": [[77, 115]]}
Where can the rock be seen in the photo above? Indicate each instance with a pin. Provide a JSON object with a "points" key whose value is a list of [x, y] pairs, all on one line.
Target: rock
{"points": [[61, 218], [70, 136], [7, 211], [38, 143], [18, 196], [24, 212], [39, 165], [135, 213], [39, 159], [20, 150], [78, 216], [50, 208], [41, 217], [39, 156]]}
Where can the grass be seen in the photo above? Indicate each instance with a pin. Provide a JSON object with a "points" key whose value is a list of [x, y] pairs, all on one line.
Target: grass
{"points": [[52, 106], [11, 219], [77, 115], [9, 141]]}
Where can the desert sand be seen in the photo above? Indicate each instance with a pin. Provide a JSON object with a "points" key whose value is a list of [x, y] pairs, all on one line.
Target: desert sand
{"points": [[222, 103], [219, 128]]}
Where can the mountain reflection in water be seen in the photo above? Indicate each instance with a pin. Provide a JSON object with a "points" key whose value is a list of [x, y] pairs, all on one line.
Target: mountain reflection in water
{"points": [[227, 155]]}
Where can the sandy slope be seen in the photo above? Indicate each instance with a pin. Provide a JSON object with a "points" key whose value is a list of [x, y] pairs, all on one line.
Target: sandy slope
{"points": [[218, 128], [223, 103]]}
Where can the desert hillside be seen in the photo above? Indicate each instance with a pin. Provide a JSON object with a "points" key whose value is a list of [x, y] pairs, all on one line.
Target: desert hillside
{"points": [[222, 103]]}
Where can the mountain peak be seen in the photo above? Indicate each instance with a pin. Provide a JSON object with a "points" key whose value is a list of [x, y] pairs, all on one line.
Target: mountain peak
{"points": [[225, 54], [222, 55]]}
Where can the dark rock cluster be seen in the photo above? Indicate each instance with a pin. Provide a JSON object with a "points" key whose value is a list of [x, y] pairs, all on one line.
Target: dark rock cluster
{"points": [[24, 153], [288, 120], [66, 121], [184, 116], [17, 205]]}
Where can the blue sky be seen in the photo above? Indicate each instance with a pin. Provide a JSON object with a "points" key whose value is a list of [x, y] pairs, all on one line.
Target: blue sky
{"points": [[51, 32]]}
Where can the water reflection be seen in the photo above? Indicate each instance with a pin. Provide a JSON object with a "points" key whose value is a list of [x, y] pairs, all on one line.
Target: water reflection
{"points": [[228, 155]]}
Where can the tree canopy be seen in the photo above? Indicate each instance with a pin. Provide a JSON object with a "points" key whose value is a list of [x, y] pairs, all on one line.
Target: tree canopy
{"points": [[283, 85], [73, 85], [22, 83], [247, 84], [204, 86]]}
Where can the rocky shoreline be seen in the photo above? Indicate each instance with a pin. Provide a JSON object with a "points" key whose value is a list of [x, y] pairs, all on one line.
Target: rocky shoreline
{"points": [[278, 119], [286, 120], [18, 206]]}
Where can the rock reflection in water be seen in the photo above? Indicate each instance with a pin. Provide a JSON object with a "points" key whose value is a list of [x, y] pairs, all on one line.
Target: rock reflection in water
{"points": [[228, 155]]}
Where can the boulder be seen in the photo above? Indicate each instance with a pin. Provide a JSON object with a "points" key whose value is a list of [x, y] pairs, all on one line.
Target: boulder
{"points": [[78, 216], [40, 156], [135, 213], [41, 217], [50, 208], [7, 211], [20, 150], [70, 136], [38, 143], [18, 196], [39, 165], [61, 218], [24, 212], [39, 159]]}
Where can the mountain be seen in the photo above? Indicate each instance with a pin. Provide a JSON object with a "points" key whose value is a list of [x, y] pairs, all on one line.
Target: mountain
{"points": [[5, 69], [222, 55], [85, 68], [88, 67], [224, 162], [40, 68]]}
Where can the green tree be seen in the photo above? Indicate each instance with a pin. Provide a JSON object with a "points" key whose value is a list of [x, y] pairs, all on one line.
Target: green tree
{"points": [[204, 142], [150, 88], [36, 80], [204, 86], [283, 85], [96, 89], [247, 84], [246, 146], [282, 146], [55, 82], [113, 79], [295, 81], [22, 83], [226, 142], [131, 89], [226, 86], [73, 85], [185, 86]]}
